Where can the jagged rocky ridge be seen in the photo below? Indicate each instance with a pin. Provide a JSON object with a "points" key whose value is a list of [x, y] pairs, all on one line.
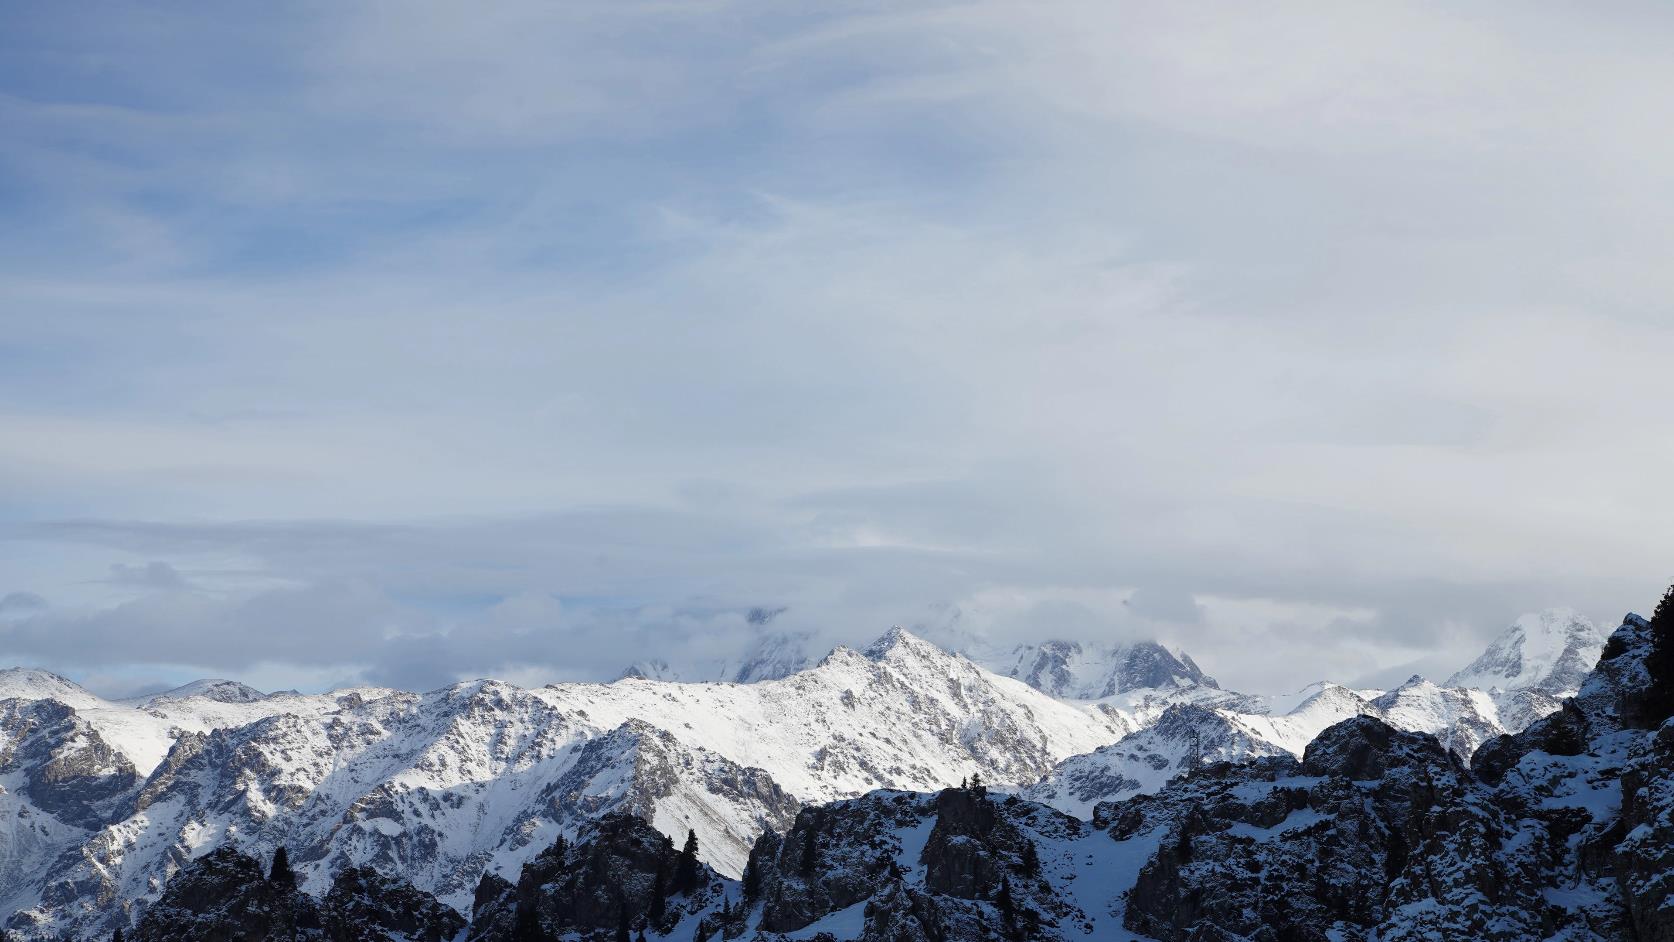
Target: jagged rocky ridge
{"points": [[224, 896], [1525, 674], [478, 778], [1564, 831], [1534, 665]]}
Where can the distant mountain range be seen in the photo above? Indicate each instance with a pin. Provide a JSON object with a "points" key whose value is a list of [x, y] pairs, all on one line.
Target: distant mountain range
{"points": [[103, 802]]}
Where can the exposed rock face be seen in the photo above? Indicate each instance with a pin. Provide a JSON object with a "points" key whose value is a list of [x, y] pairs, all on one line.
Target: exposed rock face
{"points": [[1564, 831], [367, 906], [624, 875], [1610, 700], [968, 846], [959, 864], [1185, 737], [223, 896], [1462, 718], [1599, 771], [1644, 860], [1534, 665], [478, 777], [639, 769], [1523, 676], [817, 869], [1376, 830], [493, 909], [68, 770]]}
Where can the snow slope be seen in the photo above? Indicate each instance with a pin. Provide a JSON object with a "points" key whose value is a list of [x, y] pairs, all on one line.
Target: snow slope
{"points": [[1534, 665], [444, 786], [473, 778], [1077, 671]]}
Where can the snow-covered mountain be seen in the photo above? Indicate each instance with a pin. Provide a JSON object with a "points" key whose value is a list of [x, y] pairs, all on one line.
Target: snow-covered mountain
{"points": [[444, 786], [1524, 675], [102, 801], [1535, 664], [1077, 671], [221, 691], [1185, 737], [1564, 831]]}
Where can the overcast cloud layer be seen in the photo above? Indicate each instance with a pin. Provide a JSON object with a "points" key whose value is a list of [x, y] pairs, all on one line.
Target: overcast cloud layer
{"points": [[412, 342]]}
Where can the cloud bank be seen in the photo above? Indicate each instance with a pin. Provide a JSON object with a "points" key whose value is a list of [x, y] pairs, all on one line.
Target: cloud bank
{"points": [[410, 343]]}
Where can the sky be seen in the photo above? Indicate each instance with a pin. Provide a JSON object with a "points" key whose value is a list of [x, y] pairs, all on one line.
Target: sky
{"points": [[411, 342]]}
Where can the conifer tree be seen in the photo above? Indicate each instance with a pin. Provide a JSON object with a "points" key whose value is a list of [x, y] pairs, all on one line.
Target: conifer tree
{"points": [[117, 935], [622, 934], [280, 873], [686, 867], [1031, 858], [1660, 662]]}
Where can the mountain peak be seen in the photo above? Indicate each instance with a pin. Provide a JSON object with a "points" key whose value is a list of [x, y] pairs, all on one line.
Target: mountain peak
{"points": [[221, 691], [30, 683], [1080, 671], [1548, 652], [898, 641], [653, 669]]}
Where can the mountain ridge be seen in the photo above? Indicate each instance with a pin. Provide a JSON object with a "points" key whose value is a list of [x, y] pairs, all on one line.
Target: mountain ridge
{"points": [[1562, 831], [473, 778]]}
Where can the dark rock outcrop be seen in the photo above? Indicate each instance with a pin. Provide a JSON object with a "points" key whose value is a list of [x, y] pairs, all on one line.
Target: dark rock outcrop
{"points": [[620, 873], [1565, 830], [1644, 859], [977, 873], [367, 906], [224, 896], [1376, 831]]}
